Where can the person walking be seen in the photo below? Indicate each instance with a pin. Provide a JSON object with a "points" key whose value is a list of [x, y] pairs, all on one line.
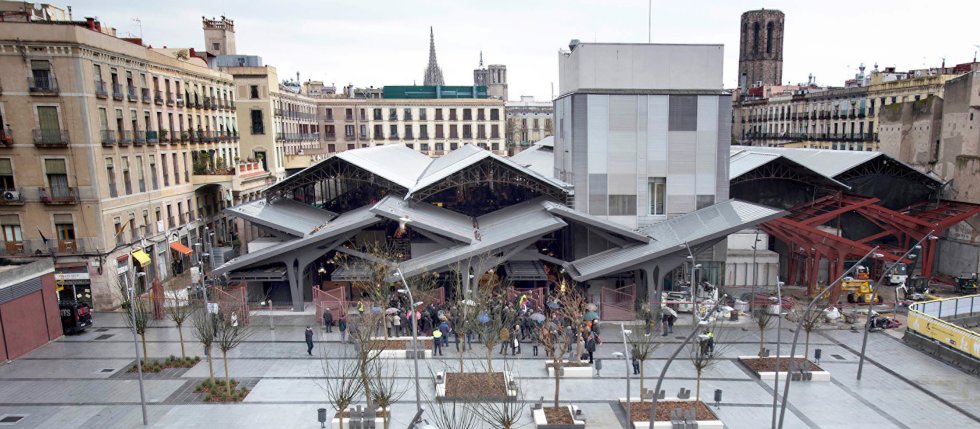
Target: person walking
{"points": [[515, 346], [636, 364], [396, 322], [590, 345], [328, 320], [504, 340], [444, 328], [436, 342], [309, 341], [342, 326]]}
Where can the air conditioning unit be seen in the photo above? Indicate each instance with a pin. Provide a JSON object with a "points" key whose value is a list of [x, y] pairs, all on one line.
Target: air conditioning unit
{"points": [[11, 195]]}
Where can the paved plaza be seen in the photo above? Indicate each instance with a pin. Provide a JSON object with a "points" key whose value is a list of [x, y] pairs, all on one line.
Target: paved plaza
{"points": [[80, 381]]}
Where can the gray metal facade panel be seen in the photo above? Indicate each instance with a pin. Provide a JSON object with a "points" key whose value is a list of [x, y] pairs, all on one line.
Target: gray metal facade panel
{"points": [[598, 195], [284, 215], [437, 220], [724, 147], [578, 126], [12, 292], [596, 222]]}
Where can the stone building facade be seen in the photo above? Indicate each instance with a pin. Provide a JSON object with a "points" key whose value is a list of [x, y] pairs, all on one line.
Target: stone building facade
{"points": [[528, 121], [760, 55]]}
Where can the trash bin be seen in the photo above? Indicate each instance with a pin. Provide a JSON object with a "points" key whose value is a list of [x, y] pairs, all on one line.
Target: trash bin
{"points": [[734, 316]]}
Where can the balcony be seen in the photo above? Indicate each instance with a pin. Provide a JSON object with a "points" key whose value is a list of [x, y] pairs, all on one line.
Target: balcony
{"points": [[365, 136], [348, 118], [145, 95], [131, 92], [117, 92], [393, 137], [125, 138], [63, 196], [50, 138], [152, 137], [17, 248], [184, 137], [180, 101], [423, 136], [68, 246], [100, 89], [42, 85], [330, 136], [12, 197], [208, 104], [139, 138], [158, 97], [170, 100], [108, 138], [164, 136], [6, 137]]}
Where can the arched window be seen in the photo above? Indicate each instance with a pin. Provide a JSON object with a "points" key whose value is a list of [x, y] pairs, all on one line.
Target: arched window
{"points": [[755, 38], [769, 38]]}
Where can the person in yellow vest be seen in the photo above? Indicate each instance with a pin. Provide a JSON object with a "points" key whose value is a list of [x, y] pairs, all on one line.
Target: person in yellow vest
{"points": [[360, 307], [436, 342]]}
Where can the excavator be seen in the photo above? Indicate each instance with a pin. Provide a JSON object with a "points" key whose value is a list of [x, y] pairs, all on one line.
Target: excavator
{"points": [[858, 288]]}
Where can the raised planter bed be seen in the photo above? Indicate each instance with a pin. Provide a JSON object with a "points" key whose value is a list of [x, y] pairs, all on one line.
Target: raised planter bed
{"points": [[475, 386], [562, 417], [640, 413], [335, 422], [765, 368], [573, 369], [397, 347]]}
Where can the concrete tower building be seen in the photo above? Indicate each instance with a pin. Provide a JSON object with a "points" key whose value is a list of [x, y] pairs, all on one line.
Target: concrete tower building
{"points": [[219, 36], [433, 74], [760, 55]]}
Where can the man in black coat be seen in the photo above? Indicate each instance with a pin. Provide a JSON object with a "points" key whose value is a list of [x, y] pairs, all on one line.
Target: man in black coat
{"points": [[309, 341], [328, 320]]}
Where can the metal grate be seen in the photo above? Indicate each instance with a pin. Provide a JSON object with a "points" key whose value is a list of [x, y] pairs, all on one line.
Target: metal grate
{"points": [[102, 330], [104, 337], [838, 357], [107, 370]]}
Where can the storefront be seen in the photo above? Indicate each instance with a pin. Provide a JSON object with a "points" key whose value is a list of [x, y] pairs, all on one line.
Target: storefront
{"points": [[74, 283]]}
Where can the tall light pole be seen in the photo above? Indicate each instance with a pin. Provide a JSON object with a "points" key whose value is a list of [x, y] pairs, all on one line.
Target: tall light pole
{"points": [[136, 345], [779, 325], [415, 336], [799, 327], [755, 272], [626, 351], [694, 283], [663, 372], [874, 292]]}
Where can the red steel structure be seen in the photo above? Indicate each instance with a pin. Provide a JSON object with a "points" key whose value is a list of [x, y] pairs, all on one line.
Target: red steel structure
{"points": [[807, 232]]}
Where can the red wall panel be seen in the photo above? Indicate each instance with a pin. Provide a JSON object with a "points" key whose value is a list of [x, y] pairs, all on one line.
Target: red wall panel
{"points": [[51, 306], [3, 344], [24, 324]]}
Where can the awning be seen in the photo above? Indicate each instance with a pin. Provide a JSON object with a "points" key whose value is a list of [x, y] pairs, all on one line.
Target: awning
{"points": [[142, 258], [181, 248]]}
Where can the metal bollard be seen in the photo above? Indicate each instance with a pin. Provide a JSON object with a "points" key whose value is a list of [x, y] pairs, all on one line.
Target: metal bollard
{"points": [[717, 398], [816, 356], [321, 416], [598, 367]]}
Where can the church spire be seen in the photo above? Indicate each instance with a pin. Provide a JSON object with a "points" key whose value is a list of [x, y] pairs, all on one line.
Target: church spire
{"points": [[433, 74]]}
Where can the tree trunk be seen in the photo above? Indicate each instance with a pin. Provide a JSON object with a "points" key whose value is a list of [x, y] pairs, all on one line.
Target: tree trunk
{"points": [[143, 340], [224, 357], [641, 380], [490, 357], [210, 365], [697, 389], [762, 338], [364, 381], [341, 418], [180, 333], [557, 378], [806, 346]]}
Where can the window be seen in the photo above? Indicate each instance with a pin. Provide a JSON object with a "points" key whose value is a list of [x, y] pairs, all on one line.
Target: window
{"points": [[328, 113], [140, 178], [166, 171], [127, 183], [423, 131], [392, 114], [41, 78], [481, 131], [117, 226], [393, 130], [480, 116], [377, 114], [439, 133], [348, 130], [64, 227], [153, 172], [187, 172], [422, 114], [467, 131], [407, 114], [705, 201], [495, 131], [438, 114], [657, 193], [257, 126], [348, 114], [378, 132], [57, 174], [622, 205], [11, 228], [494, 114], [49, 124], [408, 132], [180, 213], [452, 114], [453, 146], [173, 156], [769, 29], [6, 175], [253, 91], [453, 132], [111, 176], [682, 113]]}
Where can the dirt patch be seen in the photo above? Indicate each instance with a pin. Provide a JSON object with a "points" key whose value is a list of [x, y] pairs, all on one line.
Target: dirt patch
{"points": [[568, 364], [346, 414], [558, 416], [640, 412], [768, 364], [398, 344], [475, 385]]}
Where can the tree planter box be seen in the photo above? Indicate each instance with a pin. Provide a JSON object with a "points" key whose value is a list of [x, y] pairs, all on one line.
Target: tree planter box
{"points": [[817, 373], [540, 422], [506, 391], [571, 371], [401, 347], [711, 422], [335, 422]]}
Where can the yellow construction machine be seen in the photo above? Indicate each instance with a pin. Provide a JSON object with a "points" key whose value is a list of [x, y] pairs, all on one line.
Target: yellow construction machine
{"points": [[858, 288]]}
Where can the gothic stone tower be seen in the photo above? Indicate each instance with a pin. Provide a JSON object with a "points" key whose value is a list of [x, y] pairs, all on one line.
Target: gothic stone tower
{"points": [[760, 55]]}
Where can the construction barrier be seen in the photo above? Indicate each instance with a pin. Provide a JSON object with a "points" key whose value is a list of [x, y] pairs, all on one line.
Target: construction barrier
{"points": [[926, 319]]}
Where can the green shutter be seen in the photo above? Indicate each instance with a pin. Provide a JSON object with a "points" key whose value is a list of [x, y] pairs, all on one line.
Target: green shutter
{"points": [[48, 117], [55, 166], [5, 168]]}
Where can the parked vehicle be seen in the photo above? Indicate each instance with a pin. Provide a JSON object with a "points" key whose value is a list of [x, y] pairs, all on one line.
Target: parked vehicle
{"points": [[75, 317], [966, 284]]}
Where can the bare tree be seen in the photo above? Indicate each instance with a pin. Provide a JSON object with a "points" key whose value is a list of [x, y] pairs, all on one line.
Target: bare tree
{"points": [[463, 309], [178, 310], [361, 329], [506, 414], [205, 329], [704, 353], [493, 318], [811, 319], [385, 389], [557, 339], [341, 382], [227, 336], [642, 348], [377, 262], [138, 315], [453, 414]]}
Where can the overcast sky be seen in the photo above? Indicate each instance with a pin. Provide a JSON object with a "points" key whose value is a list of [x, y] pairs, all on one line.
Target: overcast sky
{"points": [[377, 43]]}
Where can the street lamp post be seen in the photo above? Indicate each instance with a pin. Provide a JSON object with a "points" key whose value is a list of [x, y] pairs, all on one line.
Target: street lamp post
{"points": [[626, 351], [755, 271], [799, 327], [779, 325], [136, 345], [694, 284], [663, 372], [415, 336], [874, 292]]}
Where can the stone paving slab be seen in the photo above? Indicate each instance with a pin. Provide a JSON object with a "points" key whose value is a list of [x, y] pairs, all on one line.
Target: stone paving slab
{"points": [[27, 368], [84, 391]]}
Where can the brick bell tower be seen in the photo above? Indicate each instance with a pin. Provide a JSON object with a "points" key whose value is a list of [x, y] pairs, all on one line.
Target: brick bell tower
{"points": [[760, 55]]}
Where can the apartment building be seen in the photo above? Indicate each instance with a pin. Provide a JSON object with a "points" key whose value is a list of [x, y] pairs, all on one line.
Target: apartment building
{"points": [[528, 121], [841, 118], [432, 126], [115, 157]]}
